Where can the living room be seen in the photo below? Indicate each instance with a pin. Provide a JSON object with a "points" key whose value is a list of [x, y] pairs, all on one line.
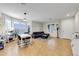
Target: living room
{"points": [[39, 29]]}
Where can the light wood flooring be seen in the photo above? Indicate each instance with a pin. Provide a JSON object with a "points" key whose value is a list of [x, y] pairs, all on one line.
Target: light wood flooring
{"points": [[39, 47]]}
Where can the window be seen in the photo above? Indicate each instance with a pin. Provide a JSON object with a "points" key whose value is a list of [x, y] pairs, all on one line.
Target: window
{"points": [[50, 28], [20, 27], [8, 25], [12, 24]]}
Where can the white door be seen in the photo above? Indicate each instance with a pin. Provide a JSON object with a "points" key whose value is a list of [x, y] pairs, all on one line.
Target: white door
{"points": [[67, 28]]}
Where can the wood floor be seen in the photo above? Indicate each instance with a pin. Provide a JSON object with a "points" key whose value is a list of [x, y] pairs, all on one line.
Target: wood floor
{"points": [[39, 47]]}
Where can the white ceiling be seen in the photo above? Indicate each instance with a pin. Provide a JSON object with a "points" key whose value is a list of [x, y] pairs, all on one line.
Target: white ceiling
{"points": [[40, 11]]}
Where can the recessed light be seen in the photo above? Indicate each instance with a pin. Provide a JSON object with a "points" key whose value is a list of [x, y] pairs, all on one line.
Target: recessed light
{"points": [[25, 20], [67, 15]]}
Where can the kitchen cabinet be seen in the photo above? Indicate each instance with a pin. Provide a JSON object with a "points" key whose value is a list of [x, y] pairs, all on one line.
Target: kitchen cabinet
{"points": [[75, 47]]}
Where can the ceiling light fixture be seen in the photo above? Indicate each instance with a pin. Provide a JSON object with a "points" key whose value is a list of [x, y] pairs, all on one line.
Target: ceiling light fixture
{"points": [[67, 15], [25, 16], [25, 13], [25, 20]]}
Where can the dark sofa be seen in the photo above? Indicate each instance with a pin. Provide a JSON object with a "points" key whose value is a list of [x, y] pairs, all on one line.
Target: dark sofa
{"points": [[40, 35]]}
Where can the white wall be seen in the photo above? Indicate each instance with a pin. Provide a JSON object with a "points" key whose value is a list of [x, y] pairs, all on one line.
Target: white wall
{"points": [[1, 24], [70, 26], [37, 26], [45, 28], [67, 28], [77, 22]]}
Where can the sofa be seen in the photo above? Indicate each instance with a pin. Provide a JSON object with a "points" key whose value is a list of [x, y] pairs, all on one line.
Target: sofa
{"points": [[40, 35]]}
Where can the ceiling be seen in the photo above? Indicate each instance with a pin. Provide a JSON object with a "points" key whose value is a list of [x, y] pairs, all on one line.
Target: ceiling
{"points": [[42, 12]]}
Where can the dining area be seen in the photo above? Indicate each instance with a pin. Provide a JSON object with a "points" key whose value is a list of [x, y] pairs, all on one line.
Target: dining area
{"points": [[24, 39]]}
